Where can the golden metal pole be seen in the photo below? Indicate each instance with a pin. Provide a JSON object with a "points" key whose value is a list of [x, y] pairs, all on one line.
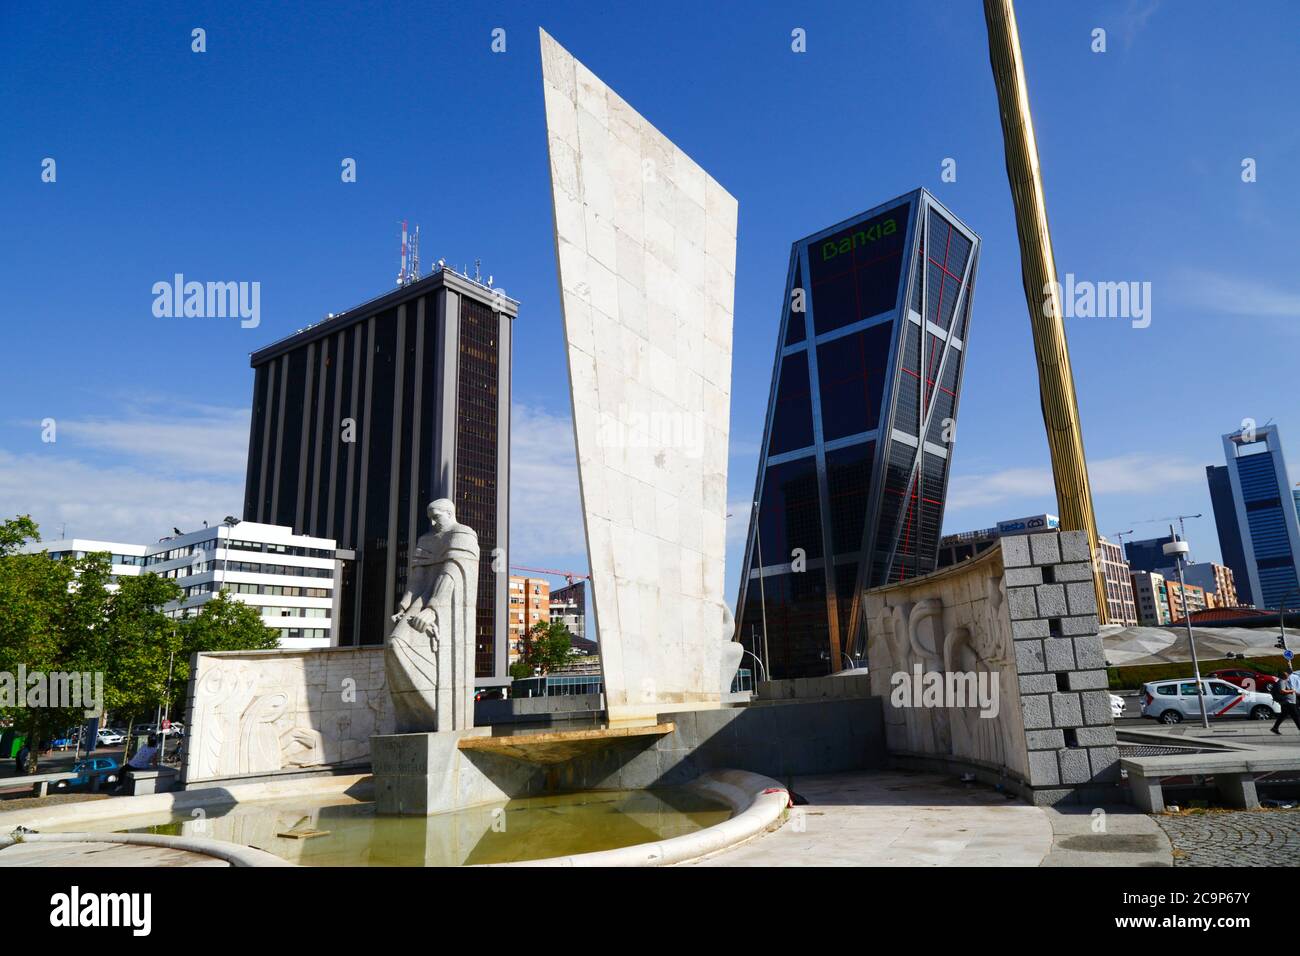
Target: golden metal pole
{"points": [[1042, 293]]}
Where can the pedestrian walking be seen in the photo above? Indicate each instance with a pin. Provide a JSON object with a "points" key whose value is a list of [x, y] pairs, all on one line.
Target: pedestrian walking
{"points": [[1284, 692]]}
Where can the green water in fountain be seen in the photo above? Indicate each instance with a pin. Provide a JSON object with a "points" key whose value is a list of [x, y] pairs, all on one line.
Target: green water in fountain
{"points": [[341, 831]]}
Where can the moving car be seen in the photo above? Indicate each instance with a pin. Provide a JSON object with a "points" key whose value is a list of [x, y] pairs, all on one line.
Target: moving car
{"points": [[1116, 706], [108, 738], [1172, 701], [1246, 677], [106, 768]]}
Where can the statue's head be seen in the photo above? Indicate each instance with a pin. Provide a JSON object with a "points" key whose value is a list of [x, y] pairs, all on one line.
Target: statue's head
{"points": [[442, 513]]}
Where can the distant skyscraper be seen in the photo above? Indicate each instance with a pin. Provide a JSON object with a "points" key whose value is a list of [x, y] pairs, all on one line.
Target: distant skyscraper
{"points": [[1266, 515], [361, 420], [860, 426], [1147, 554], [1225, 523]]}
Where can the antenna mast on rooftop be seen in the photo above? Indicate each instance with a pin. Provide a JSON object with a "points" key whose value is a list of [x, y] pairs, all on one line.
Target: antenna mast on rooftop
{"points": [[408, 269], [401, 262]]}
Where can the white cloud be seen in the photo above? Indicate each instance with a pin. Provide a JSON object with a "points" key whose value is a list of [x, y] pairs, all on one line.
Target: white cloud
{"points": [[189, 439], [1231, 295], [738, 515], [133, 475], [114, 503], [1123, 474], [546, 528], [1135, 18]]}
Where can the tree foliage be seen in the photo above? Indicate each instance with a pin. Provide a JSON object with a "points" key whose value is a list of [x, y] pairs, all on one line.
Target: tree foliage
{"points": [[63, 616], [548, 646]]}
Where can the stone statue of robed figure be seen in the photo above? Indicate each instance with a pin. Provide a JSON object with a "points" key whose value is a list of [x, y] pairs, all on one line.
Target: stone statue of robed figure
{"points": [[429, 655]]}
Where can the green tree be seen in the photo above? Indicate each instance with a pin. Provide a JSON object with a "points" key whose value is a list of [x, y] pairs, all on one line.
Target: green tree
{"points": [[142, 641], [547, 647], [51, 616]]}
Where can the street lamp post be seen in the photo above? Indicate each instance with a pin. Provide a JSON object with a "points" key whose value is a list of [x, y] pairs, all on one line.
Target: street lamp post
{"points": [[762, 590], [1281, 620], [1177, 549]]}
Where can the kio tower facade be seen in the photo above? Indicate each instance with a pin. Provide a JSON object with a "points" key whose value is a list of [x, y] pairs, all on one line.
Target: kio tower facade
{"points": [[860, 427], [361, 420]]}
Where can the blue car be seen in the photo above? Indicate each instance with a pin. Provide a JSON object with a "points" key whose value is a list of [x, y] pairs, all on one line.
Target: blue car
{"points": [[106, 768]]}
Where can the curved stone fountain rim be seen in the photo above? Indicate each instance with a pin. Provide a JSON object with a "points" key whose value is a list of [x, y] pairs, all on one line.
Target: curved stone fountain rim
{"points": [[236, 854], [756, 802]]}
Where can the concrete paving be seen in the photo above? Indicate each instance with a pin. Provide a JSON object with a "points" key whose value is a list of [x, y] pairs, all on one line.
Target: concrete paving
{"points": [[898, 818], [1106, 836]]}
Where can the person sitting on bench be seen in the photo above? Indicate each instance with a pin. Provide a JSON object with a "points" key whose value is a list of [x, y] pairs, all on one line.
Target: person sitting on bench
{"points": [[146, 758]]}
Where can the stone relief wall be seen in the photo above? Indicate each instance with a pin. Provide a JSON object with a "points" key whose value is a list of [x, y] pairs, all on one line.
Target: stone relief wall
{"points": [[260, 712], [951, 621], [646, 244], [1026, 612]]}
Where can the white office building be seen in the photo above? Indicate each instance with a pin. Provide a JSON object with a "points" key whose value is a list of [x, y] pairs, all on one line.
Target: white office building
{"points": [[291, 578]]}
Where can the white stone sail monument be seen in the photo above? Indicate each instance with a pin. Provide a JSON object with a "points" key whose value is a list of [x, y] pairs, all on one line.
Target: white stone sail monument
{"points": [[646, 243]]}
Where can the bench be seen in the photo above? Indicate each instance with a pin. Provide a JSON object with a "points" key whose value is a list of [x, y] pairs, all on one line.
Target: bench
{"points": [[1234, 773], [153, 780]]}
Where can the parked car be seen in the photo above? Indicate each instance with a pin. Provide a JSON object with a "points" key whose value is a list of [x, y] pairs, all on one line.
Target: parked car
{"points": [[106, 768], [1247, 678], [1116, 706], [1172, 701], [108, 738]]}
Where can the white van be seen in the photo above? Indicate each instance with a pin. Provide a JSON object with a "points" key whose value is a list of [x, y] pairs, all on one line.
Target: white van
{"points": [[1172, 701]]}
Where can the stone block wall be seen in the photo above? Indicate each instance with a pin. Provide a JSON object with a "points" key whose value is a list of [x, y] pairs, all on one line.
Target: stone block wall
{"points": [[1069, 732]]}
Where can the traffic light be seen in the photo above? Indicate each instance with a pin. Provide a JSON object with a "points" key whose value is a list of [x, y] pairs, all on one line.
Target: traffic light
{"points": [[1280, 644]]}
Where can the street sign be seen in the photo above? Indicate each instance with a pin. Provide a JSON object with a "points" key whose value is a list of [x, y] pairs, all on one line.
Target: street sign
{"points": [[1288, 655], [167, 724]]}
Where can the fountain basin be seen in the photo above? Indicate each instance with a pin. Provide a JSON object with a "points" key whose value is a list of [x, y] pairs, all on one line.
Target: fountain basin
{"points": [[330, 821]]}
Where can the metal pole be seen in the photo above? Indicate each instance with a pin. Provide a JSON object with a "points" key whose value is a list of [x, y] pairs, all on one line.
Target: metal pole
{"points": [[1042, 291], [762, 591], [1281, 619], [1191, 641]]}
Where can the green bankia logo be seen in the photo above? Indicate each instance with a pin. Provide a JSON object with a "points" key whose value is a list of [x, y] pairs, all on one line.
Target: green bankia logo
{"points": [[831, 248]]}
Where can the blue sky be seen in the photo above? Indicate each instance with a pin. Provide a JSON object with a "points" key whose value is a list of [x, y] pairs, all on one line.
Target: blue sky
{"points": [[225, 166]]}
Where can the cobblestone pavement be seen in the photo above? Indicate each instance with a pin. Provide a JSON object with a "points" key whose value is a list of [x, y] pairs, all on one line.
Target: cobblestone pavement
{"points": [[1234, 837]]}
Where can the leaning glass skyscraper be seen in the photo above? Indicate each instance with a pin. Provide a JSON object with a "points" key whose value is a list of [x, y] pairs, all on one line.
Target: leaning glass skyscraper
{"points": [[860, 427]]}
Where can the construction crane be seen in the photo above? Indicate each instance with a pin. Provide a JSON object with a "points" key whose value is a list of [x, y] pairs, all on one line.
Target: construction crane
{"points": [[1182, 531], [569, 576], [1119, 537]]}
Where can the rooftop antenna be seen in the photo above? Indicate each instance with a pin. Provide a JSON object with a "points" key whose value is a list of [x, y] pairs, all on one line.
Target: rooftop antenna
{"points": [[415, 255], [478, 276], [401, 264]]}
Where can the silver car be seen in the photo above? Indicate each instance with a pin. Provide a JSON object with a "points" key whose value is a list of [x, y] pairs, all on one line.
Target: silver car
{"points": [[1172, 701]]}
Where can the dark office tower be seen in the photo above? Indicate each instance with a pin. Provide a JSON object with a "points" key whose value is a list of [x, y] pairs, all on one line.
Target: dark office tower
{"points": [[1147, 554], [860, 427], [1225, 523], [361, 420], [1268, 527]]}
